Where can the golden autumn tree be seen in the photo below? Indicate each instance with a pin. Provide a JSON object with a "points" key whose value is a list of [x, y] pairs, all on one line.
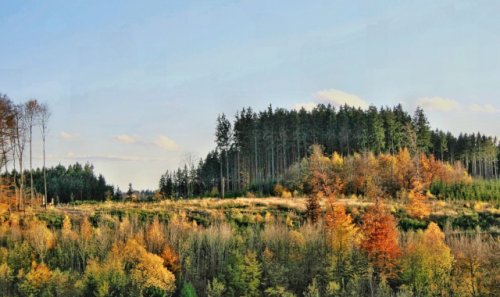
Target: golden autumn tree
{"points": [[417, 206], [427, 263], [342, 236], [147, 268], [36, 280], [40, 238], [41, 281], [67, 229], [154, 237], [86, 230], [380, 240], [342, 232], [405, 169]]}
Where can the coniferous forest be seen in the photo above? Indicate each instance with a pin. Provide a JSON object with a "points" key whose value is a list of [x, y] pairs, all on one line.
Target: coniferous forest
{"points": [[257, 150]]}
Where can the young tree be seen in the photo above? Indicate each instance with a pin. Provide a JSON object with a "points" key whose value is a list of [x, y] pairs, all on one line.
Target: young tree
{"points": [[188, 290], [427, 263], [215, 288], [244, 273], [154, 237], [417, 206], [320, 169], [380, 240], [343, 236], [41, 238]]}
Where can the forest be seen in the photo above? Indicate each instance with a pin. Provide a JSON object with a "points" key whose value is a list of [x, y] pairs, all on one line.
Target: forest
{"points": [[259, 149], [345, 202], [59, 184]]}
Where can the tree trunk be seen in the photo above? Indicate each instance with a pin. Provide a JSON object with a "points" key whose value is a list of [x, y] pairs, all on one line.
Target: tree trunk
{"points": [[227, 169], [221, 179], [31, 165], [44, 175]]}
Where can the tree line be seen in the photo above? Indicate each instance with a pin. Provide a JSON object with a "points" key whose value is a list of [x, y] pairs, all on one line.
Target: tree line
{"points": [[256, 150], [68, 184], [18, 123]]}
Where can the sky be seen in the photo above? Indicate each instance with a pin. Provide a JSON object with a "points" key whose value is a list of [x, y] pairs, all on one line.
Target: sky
{"points": [[135, 87]]}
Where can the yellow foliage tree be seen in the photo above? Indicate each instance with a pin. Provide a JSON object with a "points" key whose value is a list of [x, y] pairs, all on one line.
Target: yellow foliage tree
{"points": [[154, 237], [67, 229], [40, 238], [405, 169], [150, 273], [343, 234], [342, 237], [146, 269], [427, 263], [36, 280], [417, 206], [86, 230]]}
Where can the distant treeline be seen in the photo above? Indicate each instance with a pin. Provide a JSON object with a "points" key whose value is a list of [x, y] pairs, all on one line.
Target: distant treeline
{"points": [[255, 151], [68, 184]]}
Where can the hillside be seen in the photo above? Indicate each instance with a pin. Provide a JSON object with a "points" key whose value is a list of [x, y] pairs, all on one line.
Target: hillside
{"points": [[256, 150]]}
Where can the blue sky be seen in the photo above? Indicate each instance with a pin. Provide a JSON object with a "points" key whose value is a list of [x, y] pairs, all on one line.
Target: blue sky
{"points": [[135, 86]]}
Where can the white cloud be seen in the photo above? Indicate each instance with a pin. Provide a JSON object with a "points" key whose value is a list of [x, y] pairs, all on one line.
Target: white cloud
{"points": [[165, 143], [339, 98], [438, 103], [483, 108], [68, 136], [307, 106], [125, 138]]}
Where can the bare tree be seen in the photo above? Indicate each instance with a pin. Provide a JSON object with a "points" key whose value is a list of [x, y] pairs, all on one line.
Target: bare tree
{"points": [[44, 115], [20, 138], [31, 111]]}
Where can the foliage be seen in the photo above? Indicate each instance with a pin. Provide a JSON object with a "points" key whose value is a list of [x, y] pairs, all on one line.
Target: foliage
{"points": [[215, 288], [417, 206], [427, 263], [258, 149], [244, 273], [188, 290], [106, 250], [380, 240]]}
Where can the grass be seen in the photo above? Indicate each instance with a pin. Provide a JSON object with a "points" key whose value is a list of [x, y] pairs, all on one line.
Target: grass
{"points": [[245, 211]]}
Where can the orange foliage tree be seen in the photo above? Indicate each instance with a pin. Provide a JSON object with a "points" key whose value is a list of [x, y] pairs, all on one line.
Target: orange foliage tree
{"points": [[417, 206], [380, 240], [170, 258]]}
